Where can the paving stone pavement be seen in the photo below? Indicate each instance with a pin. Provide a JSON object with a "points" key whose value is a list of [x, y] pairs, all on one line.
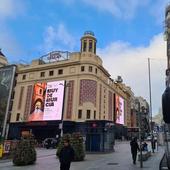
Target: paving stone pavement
{"points": [[118, 160]]}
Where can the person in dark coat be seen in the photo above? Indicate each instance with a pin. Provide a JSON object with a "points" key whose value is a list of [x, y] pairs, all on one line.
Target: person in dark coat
{"points": [[66, 156], [134, 148], [153, 144]]}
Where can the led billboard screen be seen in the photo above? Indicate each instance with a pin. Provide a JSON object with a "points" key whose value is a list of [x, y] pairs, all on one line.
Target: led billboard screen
{"points": [[6, 84], [119, 116], [47, 101]]}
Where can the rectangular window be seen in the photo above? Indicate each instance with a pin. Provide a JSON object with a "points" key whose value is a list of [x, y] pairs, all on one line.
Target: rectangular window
{"points": [[42, 74], [88, 114], [90, 68], [13, 94], [18, 116], [82, 68], [96, 70], [95, 47], [15, 82], [24, 77], [90, 45], [20, 97], [84, 45], [51, 73], [60, 71], [94, 114], [10, 106], [80, 114]]}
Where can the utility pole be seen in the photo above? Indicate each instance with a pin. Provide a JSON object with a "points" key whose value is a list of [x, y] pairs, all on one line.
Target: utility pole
{"points": [[150, 96]]}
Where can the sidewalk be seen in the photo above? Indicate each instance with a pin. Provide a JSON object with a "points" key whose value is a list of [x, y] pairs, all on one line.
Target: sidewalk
{"points": [[118, 160]]}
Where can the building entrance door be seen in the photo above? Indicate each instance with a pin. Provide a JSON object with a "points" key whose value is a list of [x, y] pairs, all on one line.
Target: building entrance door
{"points": [[93, 142]]}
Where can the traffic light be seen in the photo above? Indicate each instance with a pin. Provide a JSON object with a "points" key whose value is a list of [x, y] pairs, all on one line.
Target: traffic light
{"points": [[166, 105]]}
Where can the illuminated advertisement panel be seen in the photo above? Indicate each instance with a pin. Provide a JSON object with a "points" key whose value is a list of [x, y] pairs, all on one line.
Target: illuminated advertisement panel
{"points": [[6, 84], [47, 101], [119, 117]]}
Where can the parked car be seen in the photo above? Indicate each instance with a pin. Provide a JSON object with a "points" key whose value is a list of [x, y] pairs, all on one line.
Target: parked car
{"points": [[50, 143]]}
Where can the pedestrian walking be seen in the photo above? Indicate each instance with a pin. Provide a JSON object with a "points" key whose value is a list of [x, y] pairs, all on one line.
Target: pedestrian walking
{"points": [[134, 149], [153, 144], [66, 156]]}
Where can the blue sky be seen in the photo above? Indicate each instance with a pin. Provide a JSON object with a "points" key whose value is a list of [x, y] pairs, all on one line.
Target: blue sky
{"points": [[128, 31]]}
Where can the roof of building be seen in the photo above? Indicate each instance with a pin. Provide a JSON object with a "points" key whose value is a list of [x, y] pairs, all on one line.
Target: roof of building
{"points": [[3, 59], [1, 54]]}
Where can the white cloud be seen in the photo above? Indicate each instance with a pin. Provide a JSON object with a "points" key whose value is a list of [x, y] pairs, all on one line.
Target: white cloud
{"points": [[9, 44], [125, 9], [120, 58], [58, 38], [11, 8], [118, 8], [158, 10]]}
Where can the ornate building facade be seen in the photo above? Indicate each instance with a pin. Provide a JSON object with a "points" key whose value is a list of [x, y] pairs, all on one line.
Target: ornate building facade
{"points": [[93, 104]]}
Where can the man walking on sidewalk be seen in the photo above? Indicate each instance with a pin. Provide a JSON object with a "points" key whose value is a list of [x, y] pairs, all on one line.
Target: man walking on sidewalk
{"points": [[134, 148], [66, 156]]}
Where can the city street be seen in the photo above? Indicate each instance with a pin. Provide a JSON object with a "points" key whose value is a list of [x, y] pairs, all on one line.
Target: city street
{"points": [[118, 160]]}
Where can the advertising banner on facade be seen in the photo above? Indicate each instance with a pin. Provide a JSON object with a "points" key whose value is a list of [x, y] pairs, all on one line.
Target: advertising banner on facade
{"points": [[119, 117], [6, 83], [47, 101]]}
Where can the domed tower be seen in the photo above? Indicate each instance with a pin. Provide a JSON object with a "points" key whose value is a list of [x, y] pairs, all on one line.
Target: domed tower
{"points": [[88, 42], [3, 60]]}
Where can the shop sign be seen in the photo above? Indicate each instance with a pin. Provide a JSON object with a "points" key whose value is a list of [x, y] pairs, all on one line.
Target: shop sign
{"points": [[55, 56]]}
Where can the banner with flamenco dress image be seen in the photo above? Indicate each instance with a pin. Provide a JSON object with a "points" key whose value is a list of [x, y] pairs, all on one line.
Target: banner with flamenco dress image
{"points": [[47, 101], [119, 116]]}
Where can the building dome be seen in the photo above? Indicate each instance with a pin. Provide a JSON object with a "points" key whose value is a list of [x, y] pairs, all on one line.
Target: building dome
{"points": [[3, 59]]}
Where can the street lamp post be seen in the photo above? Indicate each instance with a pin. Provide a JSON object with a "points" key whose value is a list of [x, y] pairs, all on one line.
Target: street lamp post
{"points": [[140, 139], [150, 96], [62, 117]]}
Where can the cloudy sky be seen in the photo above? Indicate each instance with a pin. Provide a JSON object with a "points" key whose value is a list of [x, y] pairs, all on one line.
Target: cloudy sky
{"points": [[128, 33]]}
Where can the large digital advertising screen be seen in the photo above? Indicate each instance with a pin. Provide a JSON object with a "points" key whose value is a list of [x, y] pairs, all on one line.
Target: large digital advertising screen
{"points": [[6, 84], [47, 101], [119, 116]]}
